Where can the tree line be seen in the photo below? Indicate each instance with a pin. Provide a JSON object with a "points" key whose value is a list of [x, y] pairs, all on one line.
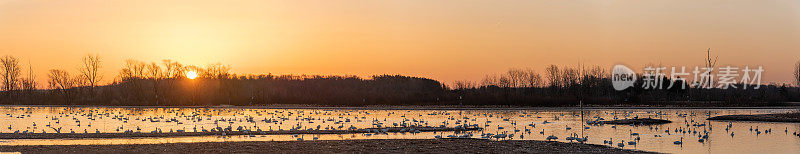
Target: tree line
{"points": [[572, 85], [165, 83]]}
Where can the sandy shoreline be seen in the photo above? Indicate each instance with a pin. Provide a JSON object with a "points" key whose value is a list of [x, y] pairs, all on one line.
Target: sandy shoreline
{"points": [[341, 146], [780, 117], [176, 134], [643, 121]]}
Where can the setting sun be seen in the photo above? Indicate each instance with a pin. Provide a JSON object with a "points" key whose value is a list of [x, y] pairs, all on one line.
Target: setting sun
{"points": [[191, 74]]}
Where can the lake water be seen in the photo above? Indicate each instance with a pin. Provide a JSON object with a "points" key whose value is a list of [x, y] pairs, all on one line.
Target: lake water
{"points": [[689, 124]]}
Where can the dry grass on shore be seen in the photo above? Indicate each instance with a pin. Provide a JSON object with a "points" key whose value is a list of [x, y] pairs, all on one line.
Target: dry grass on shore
{"points": [[643, 121], [340, 146], [779, 117], [210, 133]]}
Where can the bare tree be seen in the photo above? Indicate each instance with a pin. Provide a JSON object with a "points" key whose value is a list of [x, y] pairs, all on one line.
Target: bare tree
{"points": [[132, 74], [154, 73], [11, 71], [90, 70], [710, 63], [172, 69], [463, 84], [553, 76], [29, 83], [489, 80], [598, 72], [132, 69], [569, 77], [797, 73], [533, 79], [504, 81], [62, 82], [216, 71], [593, 76], [516, 77]]}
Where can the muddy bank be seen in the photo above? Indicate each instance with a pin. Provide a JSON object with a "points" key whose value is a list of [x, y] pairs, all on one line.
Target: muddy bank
{"points": [[780, 117], [173, 134], [341, 146], [643, 121]]}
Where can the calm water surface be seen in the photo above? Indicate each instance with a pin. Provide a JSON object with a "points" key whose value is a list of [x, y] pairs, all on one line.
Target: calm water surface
{"points": [[689, 124]]}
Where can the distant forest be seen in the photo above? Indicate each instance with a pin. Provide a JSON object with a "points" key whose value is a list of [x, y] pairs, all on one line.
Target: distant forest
{"points": [[166, 84]]}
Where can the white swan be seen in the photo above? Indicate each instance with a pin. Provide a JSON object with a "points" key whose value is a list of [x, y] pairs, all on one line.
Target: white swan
{"points": [[678, 142]]}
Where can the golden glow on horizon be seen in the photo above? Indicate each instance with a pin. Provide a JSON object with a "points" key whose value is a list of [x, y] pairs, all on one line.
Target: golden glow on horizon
{"points": [[446, 40], [191, 74]]}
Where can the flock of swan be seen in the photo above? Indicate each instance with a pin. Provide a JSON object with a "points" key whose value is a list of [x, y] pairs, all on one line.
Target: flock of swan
{"points": [[497, 125]]}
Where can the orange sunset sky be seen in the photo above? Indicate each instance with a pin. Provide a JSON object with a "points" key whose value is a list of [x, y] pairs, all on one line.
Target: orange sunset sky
{"points": [[445, 40]]}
